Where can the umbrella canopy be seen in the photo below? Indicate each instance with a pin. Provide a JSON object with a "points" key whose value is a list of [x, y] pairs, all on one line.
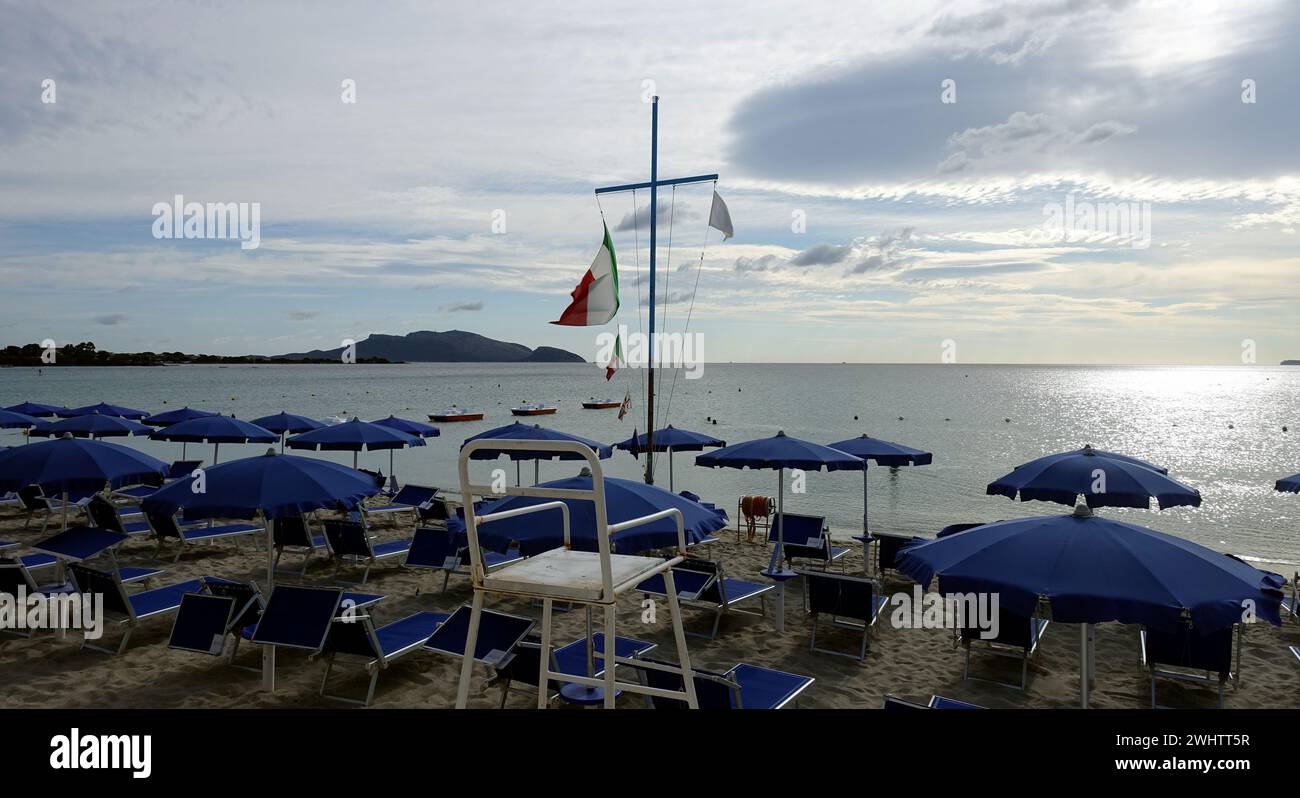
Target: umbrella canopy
{"points": [[91, 426], [37, 409], [283, 422], [353, 436], [409, 427], [1104, 480], [1052, 458], [1094, 570], [176, 416], [71, 464], [885, 453], [670, 439], [625, 499], [215, 430], [534, 432], [780, 452], [103, 409], [1289, 484], [10, 419]]}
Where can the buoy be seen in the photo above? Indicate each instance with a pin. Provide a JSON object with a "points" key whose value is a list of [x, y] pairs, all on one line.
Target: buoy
{"points": [[1284, 428], [855, 418], [1007, 420], [1231, 427]]}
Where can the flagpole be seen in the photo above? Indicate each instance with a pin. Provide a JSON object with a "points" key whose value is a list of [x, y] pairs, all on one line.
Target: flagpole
{"points": [[654, 203]]}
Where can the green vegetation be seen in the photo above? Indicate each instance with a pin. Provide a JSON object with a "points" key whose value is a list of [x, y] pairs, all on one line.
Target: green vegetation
{"points": [[85, 354]]}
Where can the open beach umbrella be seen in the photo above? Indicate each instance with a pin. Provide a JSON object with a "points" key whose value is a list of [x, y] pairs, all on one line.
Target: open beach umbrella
{"points": [[10, 419], [103, 409], [415, 428], [1093, 570], [91, 426], [353, 436], [1289, 484], [215, 430], [169, 417], [780, 452], [75, 464], [283, 423], [671, 439], [519, 431], [885, 453], [1103, 479], [36, 409], [270, 486], [625, 499]]}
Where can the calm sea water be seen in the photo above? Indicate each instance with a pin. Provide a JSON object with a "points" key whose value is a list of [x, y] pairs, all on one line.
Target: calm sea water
{"points": [[1217, 429]]}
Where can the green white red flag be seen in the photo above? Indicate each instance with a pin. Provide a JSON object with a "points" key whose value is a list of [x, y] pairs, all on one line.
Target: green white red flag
{"points": [[595, 300]]}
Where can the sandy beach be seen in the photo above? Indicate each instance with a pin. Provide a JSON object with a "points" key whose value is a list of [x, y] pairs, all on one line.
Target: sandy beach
{"points": [[45, 671]]}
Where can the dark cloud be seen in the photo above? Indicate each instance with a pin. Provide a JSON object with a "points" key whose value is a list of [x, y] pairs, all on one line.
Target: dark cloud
{"points": [[667, 210], [820, 255], [111, 319], [760, 264], [458, 307], [303, 315]]}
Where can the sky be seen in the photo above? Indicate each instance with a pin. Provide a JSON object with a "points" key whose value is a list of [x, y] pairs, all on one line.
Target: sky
{"points": [[1057, 181]]}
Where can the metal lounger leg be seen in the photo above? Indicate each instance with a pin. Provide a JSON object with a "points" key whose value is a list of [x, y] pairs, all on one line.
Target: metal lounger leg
{"points": [[471, 643], [610, 665], [544, 657], [679, 635]]}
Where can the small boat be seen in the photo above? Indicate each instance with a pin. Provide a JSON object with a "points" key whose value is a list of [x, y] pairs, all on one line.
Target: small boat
{"points": [[601, 404], [456, 414], [534, 410]]}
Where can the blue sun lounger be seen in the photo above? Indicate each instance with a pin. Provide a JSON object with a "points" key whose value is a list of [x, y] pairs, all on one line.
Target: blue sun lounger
{"points": [[439, 550], [106, 515], [702, 583], [15, 577], [82, 543], [294, 532], [166, 528], [806, 537], [377, 648], [571, 659], [128, 610], [410, 499], [852, 602], [350, 542], [1188, 656], [499, 634], [1017, 637], [743, 687]]}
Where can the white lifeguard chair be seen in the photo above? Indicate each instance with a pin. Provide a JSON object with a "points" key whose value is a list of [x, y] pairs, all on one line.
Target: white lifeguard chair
{"points": [[579, 577]]}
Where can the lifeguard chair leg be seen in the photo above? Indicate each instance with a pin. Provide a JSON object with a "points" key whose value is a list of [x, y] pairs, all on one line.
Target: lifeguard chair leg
{"points": [[610, 664], [544, 685], [679, 635], [471, 644]]}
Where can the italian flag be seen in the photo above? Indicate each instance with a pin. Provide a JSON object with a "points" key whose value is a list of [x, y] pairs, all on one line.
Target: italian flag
{"points": [[595, 300], [616, 361]]}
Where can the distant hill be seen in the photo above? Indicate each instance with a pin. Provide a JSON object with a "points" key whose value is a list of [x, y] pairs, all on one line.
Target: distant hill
{"points": [[453, 346], [1291, 362]]}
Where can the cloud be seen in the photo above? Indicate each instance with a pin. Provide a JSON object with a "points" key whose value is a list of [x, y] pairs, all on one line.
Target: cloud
{"points": [[303, 315], [1022, 137], [666, 210], [458, 307], [111, 319], [820, 255]]}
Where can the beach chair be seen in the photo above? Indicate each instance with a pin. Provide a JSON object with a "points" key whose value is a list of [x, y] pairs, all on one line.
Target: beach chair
{"points": [[378, 477], [495, 641], [82, 543], [202, 626], [435, 512], [1186, 655], [407, 500], [438, 550], [297, 617], [570, 658], [1291, 603], [1017, 637], [294, 532], [742, 687], [703, 584], [351, 543], [377, 648], [14, 576], [34, 500], [936, 702], [165, 527], [128, 610], [852, 602], [806, 537], [105, 515]]}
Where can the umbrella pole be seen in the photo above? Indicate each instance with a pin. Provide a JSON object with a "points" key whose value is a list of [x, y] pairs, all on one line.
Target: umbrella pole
{"points": [[537, 471], [65, 509], [216, 448], [866, 532], [390, 466], [182, 450], [519, 470], [671, 487], [354, 458], [774, 570], [1083, 664], [268, 652]]}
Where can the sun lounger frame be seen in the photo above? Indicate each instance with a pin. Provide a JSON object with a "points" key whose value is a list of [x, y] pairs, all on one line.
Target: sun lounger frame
{"points": [[876, 597], [720, 580], [1007, 650], [1191, 675]]}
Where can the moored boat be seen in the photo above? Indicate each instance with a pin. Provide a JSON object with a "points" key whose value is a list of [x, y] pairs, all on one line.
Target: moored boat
{"points": [[533, 409], [453, 414], [601, 404]]}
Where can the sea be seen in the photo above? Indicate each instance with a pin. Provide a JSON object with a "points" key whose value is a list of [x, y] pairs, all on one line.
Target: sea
{"points": [[1218, 429]]}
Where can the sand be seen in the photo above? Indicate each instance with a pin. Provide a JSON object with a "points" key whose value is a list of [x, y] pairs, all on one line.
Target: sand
{"points": [[45, 671]]}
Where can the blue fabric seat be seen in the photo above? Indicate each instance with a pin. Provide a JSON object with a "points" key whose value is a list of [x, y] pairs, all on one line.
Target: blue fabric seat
{"points": [[702, 583], [128, 610], [377, 647], [442, 550], [805, 537], [852, 602], [166, 528], [350, 542], [744, 686], [1187, 655], [293, 532], [571, 659]]}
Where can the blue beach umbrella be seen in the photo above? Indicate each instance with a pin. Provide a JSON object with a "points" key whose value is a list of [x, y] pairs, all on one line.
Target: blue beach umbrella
{"points": [[416, 428], [519, 431], [10, 419], [353, 436], [671, 439], [1103, 479], [885, 453], [283, 423], [169, 417], [91, 426], [781, 452], [37, 409], [215, 430], [625, 499], [1289, 484], [75, 464], [103, 409], [271, 486], [1093, 570]]}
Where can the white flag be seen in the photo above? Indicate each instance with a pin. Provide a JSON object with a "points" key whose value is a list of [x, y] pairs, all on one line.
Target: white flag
{"points": [[720, 217]]}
